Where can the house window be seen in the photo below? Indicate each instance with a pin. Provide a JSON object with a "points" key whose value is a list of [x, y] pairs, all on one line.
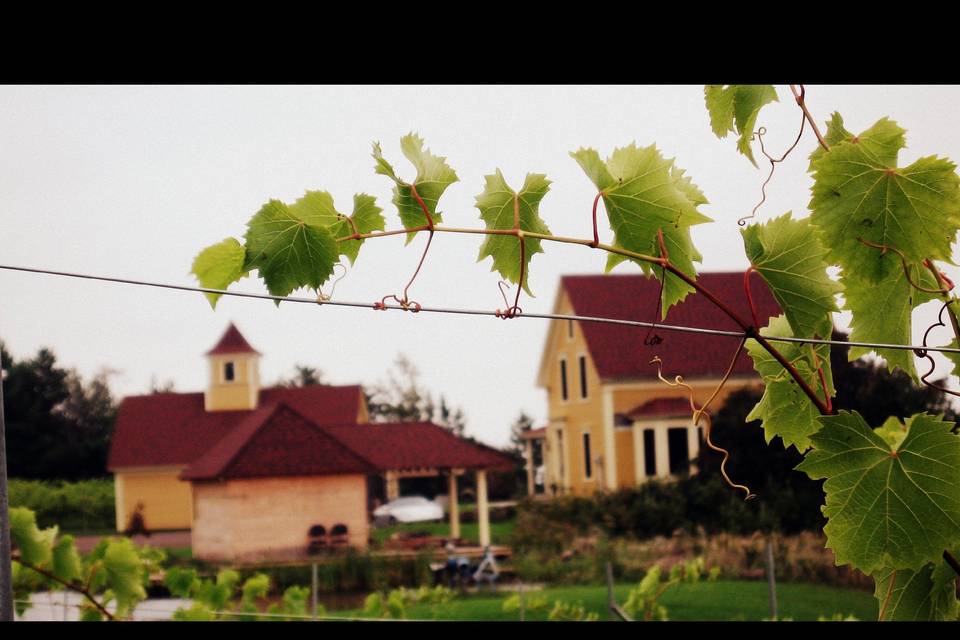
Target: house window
{"points": [[228, 373], [569, 329], [587, 465], [583, 376], [679, 451], [563, 378], [649, 453], [561, 455]]}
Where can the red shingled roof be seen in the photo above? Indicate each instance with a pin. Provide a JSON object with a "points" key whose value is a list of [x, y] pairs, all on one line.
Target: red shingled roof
{"points": [[416, 445], [276, 441], [619, 352], [232, 341], [662, 408], [174, 429]]}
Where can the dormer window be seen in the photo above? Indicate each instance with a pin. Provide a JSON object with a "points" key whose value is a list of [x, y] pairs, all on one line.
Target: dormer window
{"points": [[228, 374]]}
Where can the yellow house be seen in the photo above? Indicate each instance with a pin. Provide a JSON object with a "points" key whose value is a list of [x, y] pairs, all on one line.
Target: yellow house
{"points": [[612, 423]]}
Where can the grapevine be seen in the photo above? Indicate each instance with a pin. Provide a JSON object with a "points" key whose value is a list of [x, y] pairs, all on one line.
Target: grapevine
{"points": [[892, 499]]}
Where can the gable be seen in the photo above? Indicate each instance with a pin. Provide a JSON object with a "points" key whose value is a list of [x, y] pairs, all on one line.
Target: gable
{"points": [[276, 441], [618, 352]]}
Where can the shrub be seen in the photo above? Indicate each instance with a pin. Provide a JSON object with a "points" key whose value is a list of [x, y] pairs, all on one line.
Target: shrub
{"points": [[74, 506]]}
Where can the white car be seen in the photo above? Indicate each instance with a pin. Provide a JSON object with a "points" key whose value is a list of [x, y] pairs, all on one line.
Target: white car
{"points": [[409, 509]]}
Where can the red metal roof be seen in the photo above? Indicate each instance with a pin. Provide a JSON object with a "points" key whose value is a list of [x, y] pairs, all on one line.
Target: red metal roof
{"points": [[619, 352], [662, 408], [173, 429], [417, 445], [276, 441], [232, 341]]}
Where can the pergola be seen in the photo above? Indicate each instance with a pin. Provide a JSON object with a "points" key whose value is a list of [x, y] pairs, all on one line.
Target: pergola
{"points": [[420, 449]]}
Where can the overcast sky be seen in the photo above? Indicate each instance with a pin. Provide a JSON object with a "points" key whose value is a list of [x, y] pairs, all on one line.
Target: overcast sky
{"points": [[134, 181]]}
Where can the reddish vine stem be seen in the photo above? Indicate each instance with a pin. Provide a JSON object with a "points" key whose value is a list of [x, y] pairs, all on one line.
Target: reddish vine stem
{"points": [[773, 165], [884, 248], [426, 212], [596, 234], [806, 113], [886, 599], [69, 585], [942, 282], [746, 290]]}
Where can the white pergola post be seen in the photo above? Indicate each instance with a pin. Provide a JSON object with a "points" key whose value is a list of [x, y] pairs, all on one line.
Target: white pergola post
{"points": [[453, 505], [693, 446], [483, 508], [530, 488], [393, 486], [662, 446], [639, 458]]}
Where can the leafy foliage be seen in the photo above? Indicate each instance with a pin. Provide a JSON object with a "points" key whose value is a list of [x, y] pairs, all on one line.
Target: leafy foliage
{"points": [[434, 175], [790, 258], [115, 571], [316, 208], [735, 108], [646, 194], [860, 194], [928, 593], [288, 251], [218, 266], [499, 207], [888, 507], [785, 409], [643, 600]]}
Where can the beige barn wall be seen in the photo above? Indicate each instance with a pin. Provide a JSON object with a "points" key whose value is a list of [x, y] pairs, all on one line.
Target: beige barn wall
{"points": [[250, 519], [167, 500]]}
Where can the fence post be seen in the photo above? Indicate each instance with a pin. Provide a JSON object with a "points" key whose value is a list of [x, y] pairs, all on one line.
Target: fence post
{"points": [[6, 571], [611, 601], [313, 590], [522, 603], [771, 579]]}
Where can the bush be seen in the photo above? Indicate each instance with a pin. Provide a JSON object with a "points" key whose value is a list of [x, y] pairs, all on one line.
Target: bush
{"points": [[75, 506]]}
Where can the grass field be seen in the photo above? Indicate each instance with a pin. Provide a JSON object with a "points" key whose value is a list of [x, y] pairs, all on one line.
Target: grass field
{"points": [[499, 531], [721, 600]]}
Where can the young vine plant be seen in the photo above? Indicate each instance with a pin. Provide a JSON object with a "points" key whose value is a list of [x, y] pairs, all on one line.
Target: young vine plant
{"points": [[892, 494]]}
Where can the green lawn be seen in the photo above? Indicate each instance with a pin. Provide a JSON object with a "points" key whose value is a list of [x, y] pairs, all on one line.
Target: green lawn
{"points": [[721, 600], [500, 532]]}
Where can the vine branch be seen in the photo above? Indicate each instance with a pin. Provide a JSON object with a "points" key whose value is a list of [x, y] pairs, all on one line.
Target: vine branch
{"points": [[69, 585]]}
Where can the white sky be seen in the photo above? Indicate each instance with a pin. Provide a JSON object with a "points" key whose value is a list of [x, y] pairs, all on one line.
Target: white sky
{"points": [[134, 181]]}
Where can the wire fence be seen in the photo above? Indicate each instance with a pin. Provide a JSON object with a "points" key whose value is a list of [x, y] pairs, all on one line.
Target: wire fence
{"points": [[476, 312]]}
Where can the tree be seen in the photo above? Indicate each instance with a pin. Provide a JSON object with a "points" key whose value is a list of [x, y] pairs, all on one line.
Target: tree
{"points": [[403, 399], [303, 376], [57, 426]]}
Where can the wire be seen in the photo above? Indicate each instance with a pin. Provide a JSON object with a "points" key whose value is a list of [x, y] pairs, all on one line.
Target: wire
{"points": [[475, 312]]}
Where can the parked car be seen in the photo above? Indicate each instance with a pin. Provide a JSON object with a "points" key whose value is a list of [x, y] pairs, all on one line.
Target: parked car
{"points": [[408, 509]]}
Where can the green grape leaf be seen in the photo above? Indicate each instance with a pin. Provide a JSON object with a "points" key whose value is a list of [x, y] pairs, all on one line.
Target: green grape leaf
{"points": [[218, 266], [66, 563], [785, 410], [735, 108], [925, 594], [36, 546], [124, 573], [255, 587], [883, 312], [215, 596], [316, 208], [885, 507], [288, 252], [198, 612], [858, 194], [434, 175], [228, 578], [181, 582], [790, 258], [892, 431], [644, 193], [498, 204], [836, 133]]}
